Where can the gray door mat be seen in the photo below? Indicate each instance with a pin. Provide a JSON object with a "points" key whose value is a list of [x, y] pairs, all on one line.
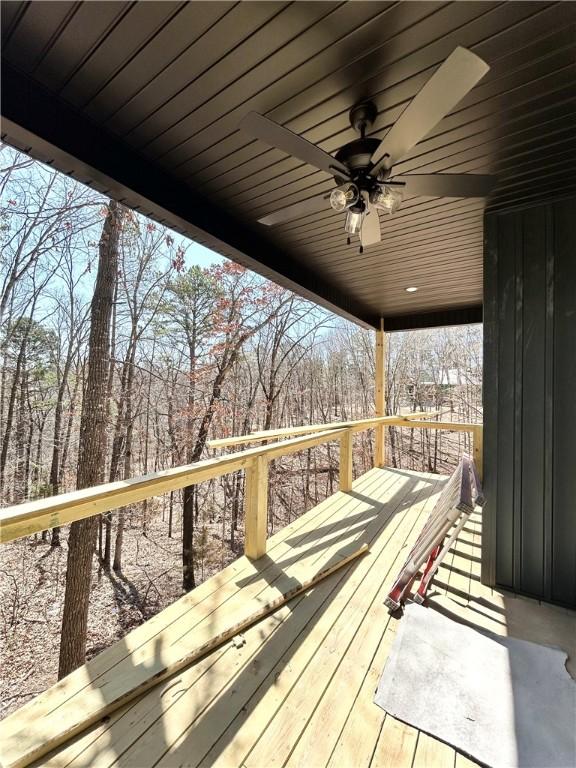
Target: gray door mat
{"points": [[502, 701]]}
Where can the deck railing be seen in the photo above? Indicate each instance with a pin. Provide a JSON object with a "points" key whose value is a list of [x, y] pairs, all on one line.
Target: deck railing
{"points": [[34, 516]]}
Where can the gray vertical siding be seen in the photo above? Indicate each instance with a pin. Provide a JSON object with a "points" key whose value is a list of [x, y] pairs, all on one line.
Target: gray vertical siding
{"points": [[530, 401]]}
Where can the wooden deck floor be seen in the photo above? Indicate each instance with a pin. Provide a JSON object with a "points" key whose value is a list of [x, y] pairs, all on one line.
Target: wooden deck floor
{"points": [[299, 691]]}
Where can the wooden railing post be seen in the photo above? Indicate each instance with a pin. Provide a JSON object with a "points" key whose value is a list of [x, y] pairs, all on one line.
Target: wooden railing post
{"points": [[256, 507], [478, 449], [346, 461], [380, 395]]}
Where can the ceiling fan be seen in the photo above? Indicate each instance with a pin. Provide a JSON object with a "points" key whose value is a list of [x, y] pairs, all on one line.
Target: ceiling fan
{"points": [[363, 168]]}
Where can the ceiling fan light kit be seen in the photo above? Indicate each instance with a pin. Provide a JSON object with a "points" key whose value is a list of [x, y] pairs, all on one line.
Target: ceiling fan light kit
{"points": [[354, 219], [344, 196], [387, 198], [363, 168]]}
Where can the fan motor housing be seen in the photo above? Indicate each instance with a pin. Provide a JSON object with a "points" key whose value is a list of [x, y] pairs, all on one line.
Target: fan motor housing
{"points": [[356, 154]]}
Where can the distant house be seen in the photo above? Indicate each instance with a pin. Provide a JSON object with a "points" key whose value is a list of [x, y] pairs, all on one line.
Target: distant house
{"points": [[440, 388]]}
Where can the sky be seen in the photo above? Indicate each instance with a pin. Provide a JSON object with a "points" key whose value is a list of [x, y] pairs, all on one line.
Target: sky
{"points": [[84, 256], [200, 256], [20, 192], [196, 254]]}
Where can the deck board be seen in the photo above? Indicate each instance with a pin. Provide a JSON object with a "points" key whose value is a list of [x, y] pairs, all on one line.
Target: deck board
{"points": [[300, 691], [239, 722], [395, 745], [296, 548], [340, 662], [386, 506]]}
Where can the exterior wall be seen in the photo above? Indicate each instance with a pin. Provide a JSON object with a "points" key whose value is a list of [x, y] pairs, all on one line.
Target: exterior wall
{"points": [[530, 401]]}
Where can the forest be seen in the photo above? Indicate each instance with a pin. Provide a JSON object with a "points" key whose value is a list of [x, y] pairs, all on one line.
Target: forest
{"points": [[124, 349]]}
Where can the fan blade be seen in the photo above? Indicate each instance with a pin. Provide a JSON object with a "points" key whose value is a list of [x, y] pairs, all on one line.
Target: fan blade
{"points": [[276, 136], [447, 86], [448, 184], [312, 205], [370, 232]]}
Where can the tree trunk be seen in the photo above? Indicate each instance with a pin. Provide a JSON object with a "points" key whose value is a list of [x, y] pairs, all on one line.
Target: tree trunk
{"points": [[188, 580], [107, 522], [20, 480], [92, 448], [20, 361], [188, 495], [71, 415], [117, 564], [57, 441], [128, 431]]}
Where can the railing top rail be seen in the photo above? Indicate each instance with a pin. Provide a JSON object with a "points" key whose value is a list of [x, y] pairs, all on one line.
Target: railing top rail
{"points": [[410, 420], [41, 514], [357, 425], [449, 426]]}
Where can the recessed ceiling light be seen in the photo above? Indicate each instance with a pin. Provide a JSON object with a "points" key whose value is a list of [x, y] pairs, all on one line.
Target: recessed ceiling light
{"points": [[412, 289]]}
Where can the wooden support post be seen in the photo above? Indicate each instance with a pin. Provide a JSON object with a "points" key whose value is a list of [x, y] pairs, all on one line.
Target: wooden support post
{"points": [[478, 449], [380, 395], [346, 461], [256, 507]]}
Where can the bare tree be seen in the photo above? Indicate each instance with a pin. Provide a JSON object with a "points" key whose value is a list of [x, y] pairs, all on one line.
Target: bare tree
{"points": [[92, 450]]}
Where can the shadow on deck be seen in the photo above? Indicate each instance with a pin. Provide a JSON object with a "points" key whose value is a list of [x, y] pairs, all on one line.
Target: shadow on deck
{"points": [[297, 687]]}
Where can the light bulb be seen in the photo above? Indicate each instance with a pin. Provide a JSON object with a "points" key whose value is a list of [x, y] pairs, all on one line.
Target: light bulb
{"points": [[344, 197], [387, 198], [354, 221]]}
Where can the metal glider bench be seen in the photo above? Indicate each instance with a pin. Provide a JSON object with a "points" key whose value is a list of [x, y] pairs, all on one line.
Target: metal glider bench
{"points": [[450, 513]]}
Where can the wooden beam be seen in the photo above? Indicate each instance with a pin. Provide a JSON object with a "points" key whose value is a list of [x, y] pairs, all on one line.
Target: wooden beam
{"points": [[33, 516], [75, 715], [449, 426], [272, 434], [346, 461], [357, 426], [380, 395], [478, 449], [434, 319], [256, 508], [286, 448]]}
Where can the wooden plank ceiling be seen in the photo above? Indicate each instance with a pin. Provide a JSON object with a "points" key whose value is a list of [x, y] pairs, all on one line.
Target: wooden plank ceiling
{"points": [[143, 100]]}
